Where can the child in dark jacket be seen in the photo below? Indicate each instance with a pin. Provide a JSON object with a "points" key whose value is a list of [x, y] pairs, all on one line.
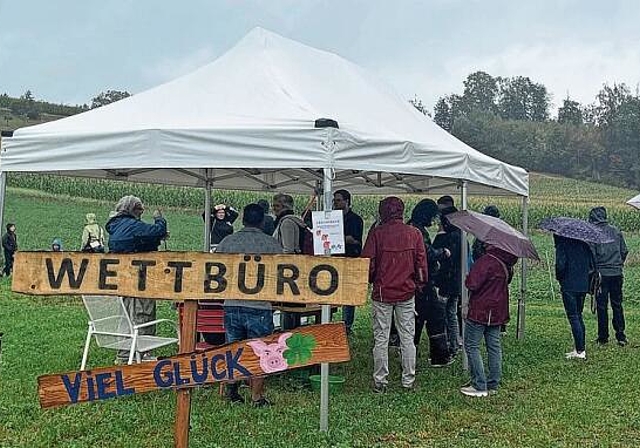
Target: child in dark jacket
{"points": [[488, 284]]}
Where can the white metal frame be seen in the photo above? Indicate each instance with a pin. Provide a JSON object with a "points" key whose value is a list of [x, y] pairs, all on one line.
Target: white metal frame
{"points": [[133, 334]]}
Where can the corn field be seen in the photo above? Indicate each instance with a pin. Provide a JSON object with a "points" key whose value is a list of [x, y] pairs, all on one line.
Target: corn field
{"points": [[550, 196]]}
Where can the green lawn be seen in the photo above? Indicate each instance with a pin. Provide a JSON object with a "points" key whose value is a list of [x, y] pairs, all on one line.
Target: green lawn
{"points": [[545, 400]]}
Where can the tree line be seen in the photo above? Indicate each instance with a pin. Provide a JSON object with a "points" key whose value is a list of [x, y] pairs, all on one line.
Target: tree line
{"points": [[509, 118], [27, 106]]}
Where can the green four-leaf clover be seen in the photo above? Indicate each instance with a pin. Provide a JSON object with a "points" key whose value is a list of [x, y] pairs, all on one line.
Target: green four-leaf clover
{"points": [[299, 349]]}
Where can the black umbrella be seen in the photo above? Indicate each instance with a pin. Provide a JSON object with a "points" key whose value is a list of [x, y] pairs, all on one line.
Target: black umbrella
{"points": [[576, 229]]}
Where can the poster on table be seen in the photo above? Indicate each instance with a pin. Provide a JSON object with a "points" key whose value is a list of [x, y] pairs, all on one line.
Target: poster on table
{"points": [[328, 232]]}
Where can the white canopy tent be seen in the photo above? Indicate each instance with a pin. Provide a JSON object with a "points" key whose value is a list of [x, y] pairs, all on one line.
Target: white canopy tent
{"points": [[248, 121], [250, 115]]}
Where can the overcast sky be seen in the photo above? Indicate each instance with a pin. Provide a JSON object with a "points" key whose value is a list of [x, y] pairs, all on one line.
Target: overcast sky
{"points": [[69, 51]]}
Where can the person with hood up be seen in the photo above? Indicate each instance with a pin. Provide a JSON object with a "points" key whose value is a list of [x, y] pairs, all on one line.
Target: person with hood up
{"points": [[289, 232], [10, 247], [449, 277], [574, 266], [56, 245], [430, 309], [92, 235], [129, 234], [488, 284], [609, 258], [398, 271]]}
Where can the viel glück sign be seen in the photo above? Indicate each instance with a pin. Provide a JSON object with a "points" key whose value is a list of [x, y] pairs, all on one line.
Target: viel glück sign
{"points": [[237, 361], [189, 275]]}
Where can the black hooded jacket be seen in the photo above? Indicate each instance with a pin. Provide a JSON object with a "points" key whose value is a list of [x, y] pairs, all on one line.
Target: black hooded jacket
{"points": [[609, 257], [422, 217], [449, 277]]}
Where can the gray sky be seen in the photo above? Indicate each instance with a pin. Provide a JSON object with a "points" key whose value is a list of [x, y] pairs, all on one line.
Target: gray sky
{"points": [[69, 51]]}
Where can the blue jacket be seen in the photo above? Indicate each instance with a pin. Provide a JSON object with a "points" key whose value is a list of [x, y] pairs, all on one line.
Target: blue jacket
{"points": [[128, 234]]}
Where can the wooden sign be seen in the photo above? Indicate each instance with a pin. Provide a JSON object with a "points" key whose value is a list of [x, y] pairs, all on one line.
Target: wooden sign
{"points": [[241, 360], [194, 275]]}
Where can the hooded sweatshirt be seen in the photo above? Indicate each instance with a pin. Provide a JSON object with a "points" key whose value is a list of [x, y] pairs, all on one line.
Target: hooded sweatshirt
{"points": [[488, 284], [422, 217], [609, 257], [398, 262], [92, 232], [10, 240]]}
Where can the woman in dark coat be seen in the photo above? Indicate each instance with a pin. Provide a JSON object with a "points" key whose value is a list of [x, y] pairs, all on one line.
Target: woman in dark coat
{"points": [[574, 265], [222, 220]]}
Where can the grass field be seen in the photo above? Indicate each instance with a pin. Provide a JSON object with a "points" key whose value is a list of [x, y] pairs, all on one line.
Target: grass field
{"points": [[545, 400]]}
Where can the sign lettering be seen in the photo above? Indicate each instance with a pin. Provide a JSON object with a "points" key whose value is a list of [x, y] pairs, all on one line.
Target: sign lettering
{"points": [[188, 275]]}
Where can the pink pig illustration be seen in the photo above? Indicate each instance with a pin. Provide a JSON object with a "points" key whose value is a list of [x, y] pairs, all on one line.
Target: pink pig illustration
{"points": [[271, 359]]}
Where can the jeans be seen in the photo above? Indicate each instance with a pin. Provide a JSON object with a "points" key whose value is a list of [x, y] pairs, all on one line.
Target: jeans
{"points": [[404, 315], [451, 319], [573, 306], [472, 341], [610, 289], [349, 316], [241, 322]]}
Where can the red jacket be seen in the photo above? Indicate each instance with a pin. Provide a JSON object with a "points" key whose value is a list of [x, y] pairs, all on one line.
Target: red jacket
{"points": [[488, 284], [398, 265]]}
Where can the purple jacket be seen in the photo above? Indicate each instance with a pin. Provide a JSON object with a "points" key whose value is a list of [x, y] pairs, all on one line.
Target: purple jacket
{"points": [[488, 284]]}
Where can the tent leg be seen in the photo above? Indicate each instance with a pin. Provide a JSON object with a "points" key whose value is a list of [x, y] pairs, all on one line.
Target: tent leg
{"points": [[3, 195], [207, 213], [326, 317], [523, 273], [464, 294]]}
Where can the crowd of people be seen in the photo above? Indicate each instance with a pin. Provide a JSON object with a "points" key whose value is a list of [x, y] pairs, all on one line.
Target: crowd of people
{"points": [[416, 282]]}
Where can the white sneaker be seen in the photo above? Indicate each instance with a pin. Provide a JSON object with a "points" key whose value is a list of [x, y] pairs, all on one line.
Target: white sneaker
{"points": [[576, 355], [471, 391]]}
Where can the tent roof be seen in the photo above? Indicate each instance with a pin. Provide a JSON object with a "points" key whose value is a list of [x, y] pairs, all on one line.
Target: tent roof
{"points": [[249, 116]]}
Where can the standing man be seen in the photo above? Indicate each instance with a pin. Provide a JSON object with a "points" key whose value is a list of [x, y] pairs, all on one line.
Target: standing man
{"points": [[397, 270], [129, 234], [269, 223], [353, 226], [10, 246], [610, 258], [289, 233], [248, 319]]}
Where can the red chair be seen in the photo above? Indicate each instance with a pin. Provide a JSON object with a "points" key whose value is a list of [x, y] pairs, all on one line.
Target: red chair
{"points": [[209, 319]]}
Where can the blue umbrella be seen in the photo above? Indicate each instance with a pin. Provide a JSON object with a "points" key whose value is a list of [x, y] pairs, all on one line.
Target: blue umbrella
{"points": [[576, 229]]}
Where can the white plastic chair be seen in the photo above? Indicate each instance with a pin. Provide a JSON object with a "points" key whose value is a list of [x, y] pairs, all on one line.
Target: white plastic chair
{"points": [[112, 328]]}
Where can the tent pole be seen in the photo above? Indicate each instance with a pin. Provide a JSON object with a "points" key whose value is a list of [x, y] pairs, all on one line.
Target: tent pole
{"points": [[523, 273], [326, 317], [207, 212], [3, 196], [464, 294]]}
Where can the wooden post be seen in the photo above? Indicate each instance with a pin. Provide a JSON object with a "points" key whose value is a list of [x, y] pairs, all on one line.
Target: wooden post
{"points": [[187, 345]]}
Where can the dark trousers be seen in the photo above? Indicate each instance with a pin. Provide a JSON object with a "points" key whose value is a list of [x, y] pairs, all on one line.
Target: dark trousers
{"points": [[436, 328], [8, 262], [610, 289], [573, 306]]}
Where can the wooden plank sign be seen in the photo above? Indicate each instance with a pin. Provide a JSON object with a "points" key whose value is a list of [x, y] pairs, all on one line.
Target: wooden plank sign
{"points": [[194, 275], [237, 361]]}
